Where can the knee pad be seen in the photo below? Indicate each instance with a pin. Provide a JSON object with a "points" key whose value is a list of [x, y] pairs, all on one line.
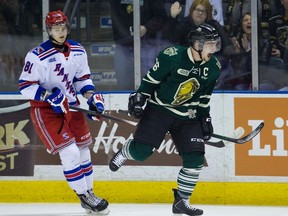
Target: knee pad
{"points": [[193, 159], [70, 157], [140, 151]]}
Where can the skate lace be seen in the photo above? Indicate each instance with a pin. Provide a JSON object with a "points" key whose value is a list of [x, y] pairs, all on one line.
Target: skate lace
{"points": [[188, 206], [119, 159], [92, 199]]}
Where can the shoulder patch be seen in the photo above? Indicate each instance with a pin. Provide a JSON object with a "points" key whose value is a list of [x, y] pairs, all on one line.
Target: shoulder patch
{"points": [[171, 51], [218, 64], [38, 50]]}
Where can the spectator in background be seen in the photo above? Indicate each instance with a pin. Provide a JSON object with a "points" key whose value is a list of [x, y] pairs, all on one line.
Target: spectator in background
{"points": [[279, 38], [152, 16], [9, 47], [279, 32], [217, 10], [8, 13], [237, 8], [241, 77], [200, 12], [31, 25], [176, 30]]}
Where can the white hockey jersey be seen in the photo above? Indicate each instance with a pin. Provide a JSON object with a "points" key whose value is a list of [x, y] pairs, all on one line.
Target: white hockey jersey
{"points": [[46, 68]]}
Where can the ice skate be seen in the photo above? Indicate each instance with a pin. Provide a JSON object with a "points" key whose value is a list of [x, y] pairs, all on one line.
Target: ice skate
{"points": [[93, 204], [117, 161], [182, 206]]}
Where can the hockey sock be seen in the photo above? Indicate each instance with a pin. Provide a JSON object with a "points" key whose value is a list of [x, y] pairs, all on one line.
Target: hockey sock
{"points": [[125, 150], [189, 174], [137, 151], [86, 166], [70, 159], [187, 180]]}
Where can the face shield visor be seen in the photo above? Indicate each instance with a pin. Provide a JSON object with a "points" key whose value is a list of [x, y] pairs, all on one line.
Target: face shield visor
{"points": [[212, 46]]}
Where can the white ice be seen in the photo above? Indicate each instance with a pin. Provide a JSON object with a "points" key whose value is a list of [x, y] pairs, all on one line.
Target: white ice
{"points": [[56, 209]]}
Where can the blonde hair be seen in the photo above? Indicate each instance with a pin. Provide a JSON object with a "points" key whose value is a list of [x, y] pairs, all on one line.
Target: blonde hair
{"points": [[207, 6]]}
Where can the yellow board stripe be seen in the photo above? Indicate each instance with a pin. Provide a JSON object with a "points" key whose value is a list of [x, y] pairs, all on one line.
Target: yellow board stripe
{"points": [[234, 193]]}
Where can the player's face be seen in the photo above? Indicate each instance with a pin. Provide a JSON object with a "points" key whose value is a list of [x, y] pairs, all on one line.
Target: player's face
{"points": [[210, 47], [59, 33]]}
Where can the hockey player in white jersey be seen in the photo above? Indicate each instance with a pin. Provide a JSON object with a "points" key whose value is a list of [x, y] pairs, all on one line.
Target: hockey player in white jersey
{"points": [[53, 72]]}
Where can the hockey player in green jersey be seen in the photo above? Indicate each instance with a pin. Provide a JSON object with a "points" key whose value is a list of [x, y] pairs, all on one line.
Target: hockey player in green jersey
{"points": [[174, 97]]}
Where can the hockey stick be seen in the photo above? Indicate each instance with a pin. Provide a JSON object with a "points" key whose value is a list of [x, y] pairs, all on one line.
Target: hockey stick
{"points": [[219, 144], [103, 115], [236, 137], [244, 139], [236, 134]]}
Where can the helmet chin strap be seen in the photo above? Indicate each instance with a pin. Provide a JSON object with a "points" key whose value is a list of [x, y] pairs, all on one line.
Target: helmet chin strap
{"points": [[199, 52], [57, 44]]}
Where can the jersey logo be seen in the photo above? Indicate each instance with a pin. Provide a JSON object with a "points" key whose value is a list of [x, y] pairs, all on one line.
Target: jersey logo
{"points": [[65, 78], [192, 114], [201, 72], [183, 72], [65, 136], [38, 50], [52, 60], [186, 91], [171, 51]]}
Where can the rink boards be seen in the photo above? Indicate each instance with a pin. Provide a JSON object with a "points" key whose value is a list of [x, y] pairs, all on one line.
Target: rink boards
{"points": [[254, 173]]}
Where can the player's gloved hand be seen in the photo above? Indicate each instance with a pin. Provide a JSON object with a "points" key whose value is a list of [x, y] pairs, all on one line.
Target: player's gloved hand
{"points": [[136, 104], [96, 103], [56, 100], [207, 127]]}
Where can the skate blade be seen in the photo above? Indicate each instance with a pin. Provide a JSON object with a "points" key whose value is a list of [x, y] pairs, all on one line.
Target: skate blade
{"points": [[104, 212], [183, 214]]}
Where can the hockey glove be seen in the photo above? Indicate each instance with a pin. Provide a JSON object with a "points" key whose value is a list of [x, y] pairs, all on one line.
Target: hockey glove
{"points": [[96, 103], [207, 127], [56, 100], [136, 104]]}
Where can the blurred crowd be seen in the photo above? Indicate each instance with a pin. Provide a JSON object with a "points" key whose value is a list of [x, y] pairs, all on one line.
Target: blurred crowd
{"points": [[164, 23], [20, 29], [172, 20]]}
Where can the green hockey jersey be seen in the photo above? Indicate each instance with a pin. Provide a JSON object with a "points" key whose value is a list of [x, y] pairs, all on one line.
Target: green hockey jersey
{"points": [[178, 85]]}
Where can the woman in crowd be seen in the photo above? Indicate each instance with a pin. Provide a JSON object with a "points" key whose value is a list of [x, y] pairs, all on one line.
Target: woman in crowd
{"points": [[200, 12], [241, 77]]}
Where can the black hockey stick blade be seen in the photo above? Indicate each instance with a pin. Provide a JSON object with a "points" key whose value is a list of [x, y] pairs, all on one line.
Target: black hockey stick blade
{"points": [[103, 115], [219, 144], [243, 139]]}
